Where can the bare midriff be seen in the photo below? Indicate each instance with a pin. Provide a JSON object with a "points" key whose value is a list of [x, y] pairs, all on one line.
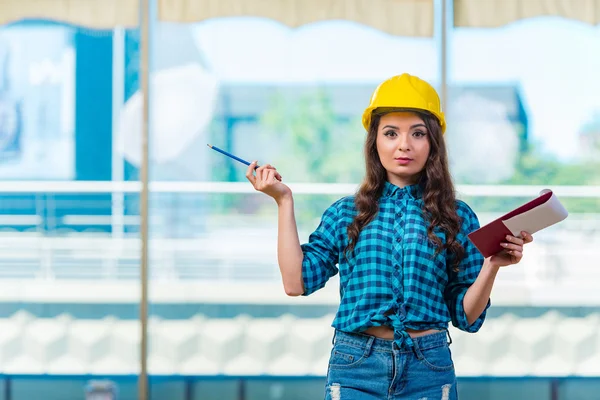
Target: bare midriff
{"points": [[385, 332]]}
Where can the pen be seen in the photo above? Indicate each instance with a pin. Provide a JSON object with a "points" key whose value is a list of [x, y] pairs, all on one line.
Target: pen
{"points": [[229, 155]]}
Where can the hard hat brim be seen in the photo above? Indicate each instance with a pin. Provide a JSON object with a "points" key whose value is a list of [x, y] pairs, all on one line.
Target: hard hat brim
{"points": [[370, 111]]}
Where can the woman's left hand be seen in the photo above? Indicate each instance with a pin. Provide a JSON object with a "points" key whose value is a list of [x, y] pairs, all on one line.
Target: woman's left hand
{"points": [[513, 250]]}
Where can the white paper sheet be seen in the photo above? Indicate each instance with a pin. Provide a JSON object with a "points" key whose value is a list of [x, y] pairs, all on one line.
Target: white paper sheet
{"points": [[538, 218]]}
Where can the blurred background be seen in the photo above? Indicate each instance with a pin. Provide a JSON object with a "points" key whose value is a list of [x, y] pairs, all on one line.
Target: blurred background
{"points": [[283, 82]]}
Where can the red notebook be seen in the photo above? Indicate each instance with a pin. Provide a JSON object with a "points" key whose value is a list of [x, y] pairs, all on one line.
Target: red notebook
{"points": [[537, 214]]}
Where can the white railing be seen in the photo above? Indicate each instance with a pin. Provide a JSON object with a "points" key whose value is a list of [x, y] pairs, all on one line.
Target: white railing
{"points": [[82, 187], [242, 248]]}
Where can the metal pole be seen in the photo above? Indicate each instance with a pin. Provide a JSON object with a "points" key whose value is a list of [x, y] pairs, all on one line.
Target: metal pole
{"points": [[189, 389], [554, 389], [242, 389], [444, 57], [145, 89], [8, 388], [118, 98]]}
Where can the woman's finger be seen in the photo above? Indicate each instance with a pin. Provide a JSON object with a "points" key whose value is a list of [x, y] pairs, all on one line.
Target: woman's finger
{"points": [[277, 174], [510, 246], [517, 254], [514, 240], [261, 176], [527, 237], [270, 176], [260, 173], [250, 173]]}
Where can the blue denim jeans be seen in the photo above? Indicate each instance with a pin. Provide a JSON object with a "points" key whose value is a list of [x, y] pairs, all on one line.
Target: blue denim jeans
{"points": [[364, 367]]}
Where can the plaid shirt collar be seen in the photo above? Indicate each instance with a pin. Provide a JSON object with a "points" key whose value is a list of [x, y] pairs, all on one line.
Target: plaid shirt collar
{"points": [[413, 191]]}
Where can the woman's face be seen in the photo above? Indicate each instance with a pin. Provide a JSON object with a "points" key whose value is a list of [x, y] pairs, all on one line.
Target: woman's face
{"points": [[403, 146]]}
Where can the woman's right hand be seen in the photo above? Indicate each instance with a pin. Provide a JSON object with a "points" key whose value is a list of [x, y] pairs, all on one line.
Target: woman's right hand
{"points": [[268, 181]]}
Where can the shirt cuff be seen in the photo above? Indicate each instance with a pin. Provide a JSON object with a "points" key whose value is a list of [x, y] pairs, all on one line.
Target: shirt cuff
{"points": [[460, 317]]}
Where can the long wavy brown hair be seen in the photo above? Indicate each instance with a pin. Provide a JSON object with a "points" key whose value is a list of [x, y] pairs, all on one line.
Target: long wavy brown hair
{"points": [[439, 199]]}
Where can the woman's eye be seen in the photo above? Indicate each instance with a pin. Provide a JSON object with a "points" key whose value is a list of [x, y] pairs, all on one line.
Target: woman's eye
{"points": [[419, 133], [389, 133]]}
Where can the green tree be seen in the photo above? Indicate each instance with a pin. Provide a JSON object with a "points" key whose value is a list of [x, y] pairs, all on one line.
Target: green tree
{"points": [[537, 168], [318, 146], [589, 138]]}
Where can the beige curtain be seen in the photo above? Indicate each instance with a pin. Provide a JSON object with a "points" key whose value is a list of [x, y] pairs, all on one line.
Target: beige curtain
{"points": [[495, 13], [397, 17], [98, 14]]}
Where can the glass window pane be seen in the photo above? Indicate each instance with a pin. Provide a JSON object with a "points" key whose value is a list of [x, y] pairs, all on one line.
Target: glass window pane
{"points": [[68, 249], [262, 91], [523, 116]]}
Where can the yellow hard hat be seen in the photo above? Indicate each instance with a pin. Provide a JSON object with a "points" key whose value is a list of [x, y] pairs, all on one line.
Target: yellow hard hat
{"points": [[405, 92]]}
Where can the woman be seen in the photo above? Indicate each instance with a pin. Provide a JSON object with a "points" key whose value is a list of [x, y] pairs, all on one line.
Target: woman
{"points": [[400, 245]]}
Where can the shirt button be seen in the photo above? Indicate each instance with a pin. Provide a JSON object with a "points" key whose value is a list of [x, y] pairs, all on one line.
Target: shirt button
{"points": [[398, 240]]}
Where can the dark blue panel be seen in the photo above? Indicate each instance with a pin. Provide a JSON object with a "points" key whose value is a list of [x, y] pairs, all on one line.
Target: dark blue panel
{"points": [[93, 122], [93, 106]]}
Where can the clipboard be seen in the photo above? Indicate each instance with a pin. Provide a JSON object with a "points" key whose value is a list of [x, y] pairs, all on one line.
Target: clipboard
{"points": [[533, 216]]}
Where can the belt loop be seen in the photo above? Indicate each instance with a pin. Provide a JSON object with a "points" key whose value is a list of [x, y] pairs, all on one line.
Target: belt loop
{"points": [[417, 349], [449, 337], [333, 337], [369, 345]]}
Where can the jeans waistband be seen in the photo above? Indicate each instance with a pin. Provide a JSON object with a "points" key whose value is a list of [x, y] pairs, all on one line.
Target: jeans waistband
{"points": [[433, 340]]}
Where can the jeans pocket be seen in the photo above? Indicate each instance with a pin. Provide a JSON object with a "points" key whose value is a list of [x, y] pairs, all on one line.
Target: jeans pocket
{"points": [[345, 355], [438, 358]]}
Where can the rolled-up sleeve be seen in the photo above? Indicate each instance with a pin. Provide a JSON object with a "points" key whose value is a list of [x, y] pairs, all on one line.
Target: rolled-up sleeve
{"points": [[321, 253], [468, 270]]}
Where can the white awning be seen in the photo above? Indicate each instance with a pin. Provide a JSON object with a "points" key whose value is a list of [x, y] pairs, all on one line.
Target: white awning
{"points": [[495, 13], [96, 14], [397, 17]]}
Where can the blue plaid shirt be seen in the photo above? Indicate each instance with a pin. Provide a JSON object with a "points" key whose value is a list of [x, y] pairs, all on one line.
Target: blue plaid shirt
{"points": [[391, 278]]}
